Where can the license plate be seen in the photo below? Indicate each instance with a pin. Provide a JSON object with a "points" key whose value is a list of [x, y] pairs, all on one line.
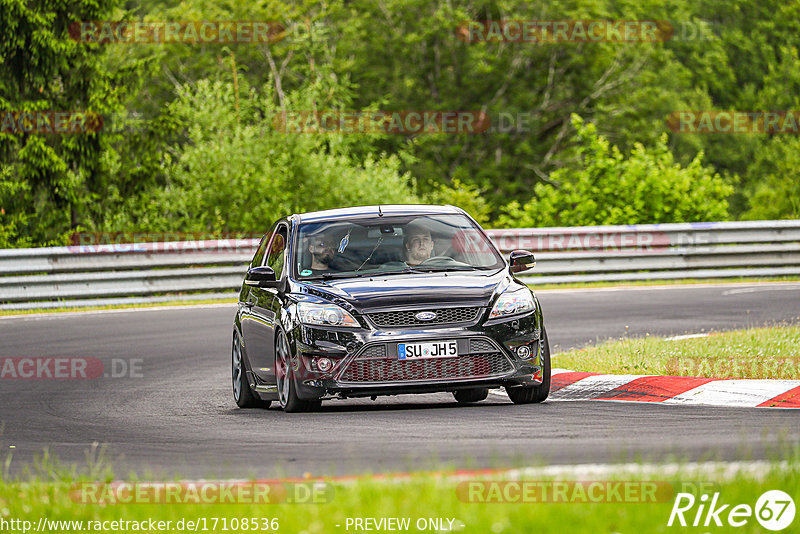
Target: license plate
{"points": [[432, 349]]}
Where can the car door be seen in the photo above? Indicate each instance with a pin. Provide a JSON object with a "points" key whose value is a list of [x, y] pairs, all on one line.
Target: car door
{"points": [[250, 320], [263, 308]]}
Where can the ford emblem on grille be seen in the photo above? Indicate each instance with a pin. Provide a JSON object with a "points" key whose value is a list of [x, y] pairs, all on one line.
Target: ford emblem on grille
{"points": [[425, 316]]}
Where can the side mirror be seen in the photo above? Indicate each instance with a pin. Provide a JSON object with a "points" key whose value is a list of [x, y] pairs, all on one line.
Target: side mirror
{"points": [[521, 260], [261, 277]]}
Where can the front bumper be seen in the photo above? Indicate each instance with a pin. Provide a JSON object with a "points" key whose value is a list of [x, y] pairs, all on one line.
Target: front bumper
{"points": [[366, 363]]}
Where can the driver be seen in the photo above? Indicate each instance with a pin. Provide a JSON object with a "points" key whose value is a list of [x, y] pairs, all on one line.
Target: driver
{"points": [[322, 249], [418, 244]]}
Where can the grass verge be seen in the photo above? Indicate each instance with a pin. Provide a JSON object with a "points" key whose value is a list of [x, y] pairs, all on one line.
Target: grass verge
{"points": [[117, 306], [627, 501], [768, 352]]}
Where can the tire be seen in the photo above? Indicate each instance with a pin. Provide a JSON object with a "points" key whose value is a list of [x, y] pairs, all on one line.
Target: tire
{"points": [[284, 377], [242, 394], [535, 394], [467, 396]]}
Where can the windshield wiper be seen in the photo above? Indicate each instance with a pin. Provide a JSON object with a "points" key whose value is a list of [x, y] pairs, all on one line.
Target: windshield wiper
{"points": [[432, 268], [407, 270], [424, 269], [331, 276]]}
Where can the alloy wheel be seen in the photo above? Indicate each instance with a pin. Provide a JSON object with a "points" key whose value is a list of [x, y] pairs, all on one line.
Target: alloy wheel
{"points": [[237, 371], [282, 369]]}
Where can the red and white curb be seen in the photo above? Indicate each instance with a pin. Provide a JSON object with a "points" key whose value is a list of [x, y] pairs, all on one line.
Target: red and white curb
{"points": [[568, 385]]}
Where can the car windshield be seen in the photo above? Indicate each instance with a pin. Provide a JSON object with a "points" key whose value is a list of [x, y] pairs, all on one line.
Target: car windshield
{"points": [[392, 245]]}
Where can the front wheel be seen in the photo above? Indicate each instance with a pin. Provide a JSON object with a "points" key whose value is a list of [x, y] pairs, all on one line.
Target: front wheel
{"points": [[284, 375], [242, 394], [535, 394]]}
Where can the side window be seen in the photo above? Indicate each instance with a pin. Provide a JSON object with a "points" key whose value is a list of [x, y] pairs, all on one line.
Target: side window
{"points": [[276, 251], [258, 259]]}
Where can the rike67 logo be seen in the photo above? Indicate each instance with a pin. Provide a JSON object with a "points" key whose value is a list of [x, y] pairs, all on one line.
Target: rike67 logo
{"points": [[774, 510]]}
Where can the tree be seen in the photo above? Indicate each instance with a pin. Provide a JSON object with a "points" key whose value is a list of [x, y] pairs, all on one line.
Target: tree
{"points": [[605, 187], [239, 173], [776, 195], [48, 181]]}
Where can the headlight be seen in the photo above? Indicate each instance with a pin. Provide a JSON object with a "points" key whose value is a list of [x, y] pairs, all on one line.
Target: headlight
{"points": [[513, 303], [324, 315]]}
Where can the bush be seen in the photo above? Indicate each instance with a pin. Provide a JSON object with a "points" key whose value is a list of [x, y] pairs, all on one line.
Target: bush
{"points": [[237, 172], [605, 187], [465, 196], [776, 193]]}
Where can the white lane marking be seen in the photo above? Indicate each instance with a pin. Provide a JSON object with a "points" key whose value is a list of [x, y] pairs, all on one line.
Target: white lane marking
{"points": [[721, 285], [755, 289], [747, 392], [757, 469], [718, 470], [61, 315], [593, 386], [686, 336]]}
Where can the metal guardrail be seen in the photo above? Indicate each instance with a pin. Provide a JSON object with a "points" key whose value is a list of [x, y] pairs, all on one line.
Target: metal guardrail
{"points": [[189, 270]]}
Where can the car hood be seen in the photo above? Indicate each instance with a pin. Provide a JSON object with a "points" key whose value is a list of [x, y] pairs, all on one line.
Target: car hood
{"points": [[415, 290]]}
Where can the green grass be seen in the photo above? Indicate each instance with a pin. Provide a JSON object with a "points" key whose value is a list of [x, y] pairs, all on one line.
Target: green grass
{"points": [[48, 491], [768, 352], [117, 306]]}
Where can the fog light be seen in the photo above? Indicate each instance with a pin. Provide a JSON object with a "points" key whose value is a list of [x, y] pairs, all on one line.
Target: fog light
{"points": [[524, 352], [324, 364]]}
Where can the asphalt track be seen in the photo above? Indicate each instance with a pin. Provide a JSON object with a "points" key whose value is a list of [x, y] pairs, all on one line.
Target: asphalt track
{"points": [[178, 417]]}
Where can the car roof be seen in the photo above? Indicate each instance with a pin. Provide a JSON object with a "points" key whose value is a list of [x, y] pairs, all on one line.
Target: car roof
{"points": [[372, 211]]}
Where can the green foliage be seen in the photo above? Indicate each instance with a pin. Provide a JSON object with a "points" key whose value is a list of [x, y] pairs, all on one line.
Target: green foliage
{"points": [[777, 193], [201, 159], [465, 196], [48, 181], [237, 172], [605, 187]]}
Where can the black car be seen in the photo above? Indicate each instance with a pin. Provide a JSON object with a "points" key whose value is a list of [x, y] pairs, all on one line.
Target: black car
{"points": [[385, 300]]}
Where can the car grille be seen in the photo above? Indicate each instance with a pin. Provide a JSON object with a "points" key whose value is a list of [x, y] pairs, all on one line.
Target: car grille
{"points": [[407, 318], [373, 365], [480, 345], [374, 351]]}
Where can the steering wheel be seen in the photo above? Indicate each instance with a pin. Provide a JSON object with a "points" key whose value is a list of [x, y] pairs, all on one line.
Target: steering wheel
{"points": [[435, 258]]}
